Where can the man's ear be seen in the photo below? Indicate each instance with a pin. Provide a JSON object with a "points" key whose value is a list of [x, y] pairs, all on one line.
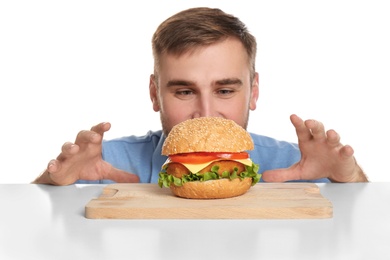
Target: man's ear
{"points": [[153, 93], [254, 92]]}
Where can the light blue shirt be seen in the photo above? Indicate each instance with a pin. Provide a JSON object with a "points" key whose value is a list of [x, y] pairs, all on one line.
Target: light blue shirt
{"points": [[141, 155]]}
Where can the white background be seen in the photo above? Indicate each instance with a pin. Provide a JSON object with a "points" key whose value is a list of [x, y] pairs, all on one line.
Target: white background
{"points": [[68, 65]]}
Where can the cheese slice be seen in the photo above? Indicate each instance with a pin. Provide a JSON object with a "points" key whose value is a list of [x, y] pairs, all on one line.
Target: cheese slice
{"points": [[194, 168]]}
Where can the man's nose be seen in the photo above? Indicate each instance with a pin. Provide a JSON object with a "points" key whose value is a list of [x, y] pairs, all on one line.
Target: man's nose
{"points": [[204, 107]]}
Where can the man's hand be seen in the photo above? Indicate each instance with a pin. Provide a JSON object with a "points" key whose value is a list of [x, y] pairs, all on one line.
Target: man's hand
{"points": [[322, 156], [83, 160]]}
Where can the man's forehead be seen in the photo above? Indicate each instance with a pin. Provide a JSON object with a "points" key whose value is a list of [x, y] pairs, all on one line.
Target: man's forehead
{"points": [[193, 49]]}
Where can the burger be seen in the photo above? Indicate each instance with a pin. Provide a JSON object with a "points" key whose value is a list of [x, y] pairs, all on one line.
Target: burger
{"points": [[208, 159]]}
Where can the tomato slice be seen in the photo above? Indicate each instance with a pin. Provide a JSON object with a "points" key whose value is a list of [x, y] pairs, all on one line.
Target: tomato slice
{"points": [[203, 157]]}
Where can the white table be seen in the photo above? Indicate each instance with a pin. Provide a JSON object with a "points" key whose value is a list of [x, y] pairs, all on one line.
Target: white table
{"points": [[47, 222]]}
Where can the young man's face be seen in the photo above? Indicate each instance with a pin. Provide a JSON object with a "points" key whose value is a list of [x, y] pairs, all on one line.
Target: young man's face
{"points": [[210, 81]]}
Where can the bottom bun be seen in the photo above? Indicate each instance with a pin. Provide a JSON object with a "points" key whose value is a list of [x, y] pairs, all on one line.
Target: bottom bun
{"points": [[212, 189]]}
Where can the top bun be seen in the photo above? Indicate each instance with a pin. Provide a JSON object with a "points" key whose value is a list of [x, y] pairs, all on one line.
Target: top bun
{"points": [[207, 134]]}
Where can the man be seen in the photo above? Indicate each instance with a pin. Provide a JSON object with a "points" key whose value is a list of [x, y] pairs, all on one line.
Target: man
{"points": [[204, 65]]}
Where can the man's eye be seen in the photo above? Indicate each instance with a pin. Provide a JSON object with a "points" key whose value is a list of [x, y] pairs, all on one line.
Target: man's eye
{"points": [[225, 91], [184, 92]]}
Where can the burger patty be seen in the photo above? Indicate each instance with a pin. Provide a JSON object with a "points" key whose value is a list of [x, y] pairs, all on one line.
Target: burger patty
{"points": [[178, 169]]}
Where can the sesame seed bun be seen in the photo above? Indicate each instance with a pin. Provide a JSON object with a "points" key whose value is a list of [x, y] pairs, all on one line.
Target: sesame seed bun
{"points": [[207, 134]]}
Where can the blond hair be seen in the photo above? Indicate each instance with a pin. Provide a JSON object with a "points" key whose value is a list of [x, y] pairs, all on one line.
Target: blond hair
{"points": [[198, 27]]}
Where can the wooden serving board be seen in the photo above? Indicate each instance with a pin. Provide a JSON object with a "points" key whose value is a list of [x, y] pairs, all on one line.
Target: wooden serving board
{"points": [[262, 201]]}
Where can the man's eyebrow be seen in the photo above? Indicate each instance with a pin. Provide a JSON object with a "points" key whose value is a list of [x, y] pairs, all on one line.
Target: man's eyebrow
{"points": [[229, 81], [179, 82], [221, 82]]}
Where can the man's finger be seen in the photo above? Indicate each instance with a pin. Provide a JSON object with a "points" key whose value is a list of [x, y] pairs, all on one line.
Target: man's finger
{"points": [[316, 129], [101, 128], [303, 133], [279, 175], [120, 176]]}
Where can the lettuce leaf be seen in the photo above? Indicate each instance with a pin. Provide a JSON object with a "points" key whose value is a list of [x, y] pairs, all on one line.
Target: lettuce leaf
{"points": [[166, 179]]}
